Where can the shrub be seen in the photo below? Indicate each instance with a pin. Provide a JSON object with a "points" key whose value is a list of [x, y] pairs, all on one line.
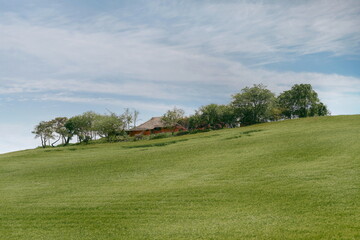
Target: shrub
{"points": [[86, 139], [200, 131], [138, 137], [181, 133], [160, 135], [117, 138]]}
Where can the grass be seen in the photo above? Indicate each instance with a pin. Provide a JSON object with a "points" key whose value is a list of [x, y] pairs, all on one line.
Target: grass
{"points": [[157, 144], [295, 179]]}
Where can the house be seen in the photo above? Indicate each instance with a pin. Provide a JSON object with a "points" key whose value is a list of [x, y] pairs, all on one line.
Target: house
{"points": [[153, 126]]}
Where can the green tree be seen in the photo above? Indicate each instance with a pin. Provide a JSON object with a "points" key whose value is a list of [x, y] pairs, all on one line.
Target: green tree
{"points": [[185, 122], [195, 121], [88, 119], [58, 125], [110, 126], [211, 114], [301, 101], [321, 110], [253, 104], [172, 118], [216, 116], [71, 129], [82, 126], [228, 116], [77, 125], [44, 130]]}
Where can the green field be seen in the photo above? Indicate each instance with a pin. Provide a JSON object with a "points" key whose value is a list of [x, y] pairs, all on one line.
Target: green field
{"points": [[295, 179]]}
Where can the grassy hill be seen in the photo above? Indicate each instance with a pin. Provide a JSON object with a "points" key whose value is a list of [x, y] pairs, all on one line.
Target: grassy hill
{"points": [[295, 179]]}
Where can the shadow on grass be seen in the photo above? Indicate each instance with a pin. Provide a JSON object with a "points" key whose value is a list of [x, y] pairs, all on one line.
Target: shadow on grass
{"points": [[73, 147], [156, 144], [210, 136], [246, 133], [54, 150]]}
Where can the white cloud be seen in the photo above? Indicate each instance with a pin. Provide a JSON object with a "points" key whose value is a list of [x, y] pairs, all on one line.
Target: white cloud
{"points": [[185, 58], [261, 28], [140, 105], [196, 39]]}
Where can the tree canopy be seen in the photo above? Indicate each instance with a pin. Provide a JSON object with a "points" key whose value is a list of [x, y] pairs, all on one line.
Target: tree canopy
{"points": [[253, 104], [172, 117], [86, 127], [301, 101]]}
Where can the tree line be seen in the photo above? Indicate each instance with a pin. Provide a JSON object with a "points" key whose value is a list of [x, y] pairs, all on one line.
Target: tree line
{"points": [[86, 127], [251, 105]]}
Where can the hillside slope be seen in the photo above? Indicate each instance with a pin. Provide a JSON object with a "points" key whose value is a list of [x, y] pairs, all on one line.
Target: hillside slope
{"points": [[295, 179]]}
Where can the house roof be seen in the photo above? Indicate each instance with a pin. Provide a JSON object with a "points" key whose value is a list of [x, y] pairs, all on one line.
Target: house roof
{"points": [[154, 122]]}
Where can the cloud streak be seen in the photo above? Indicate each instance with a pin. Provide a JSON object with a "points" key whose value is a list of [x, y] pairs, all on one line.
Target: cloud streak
{"points": [[263, 29]]}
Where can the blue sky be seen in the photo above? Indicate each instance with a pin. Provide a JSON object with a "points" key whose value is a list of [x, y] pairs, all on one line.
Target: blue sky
{"points": [[61, 58]]}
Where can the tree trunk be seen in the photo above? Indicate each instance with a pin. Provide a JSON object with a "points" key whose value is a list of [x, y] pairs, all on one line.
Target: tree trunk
{"points": [[43, 142], [55, 141], [67, 140]]}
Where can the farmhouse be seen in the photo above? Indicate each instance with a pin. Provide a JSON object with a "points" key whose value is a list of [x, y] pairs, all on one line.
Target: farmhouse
{"points": [[153, 126]]}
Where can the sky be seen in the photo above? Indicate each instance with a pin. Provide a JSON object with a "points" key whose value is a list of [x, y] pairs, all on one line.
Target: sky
{"points": [[62, 58]]}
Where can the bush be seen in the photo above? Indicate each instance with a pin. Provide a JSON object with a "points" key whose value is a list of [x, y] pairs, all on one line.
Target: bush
{"points": [[139, 137], [160, 135], [200, 131], [87, 139], [118, 138], [181, 133]]}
